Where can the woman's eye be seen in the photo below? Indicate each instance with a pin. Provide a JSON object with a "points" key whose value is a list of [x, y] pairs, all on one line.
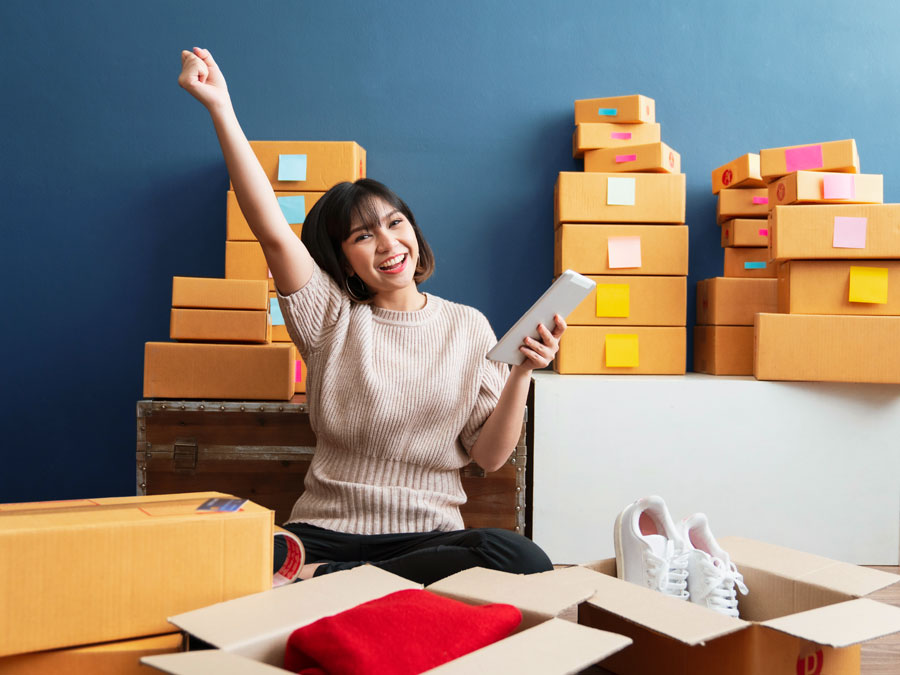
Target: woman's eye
{"points": [[396, 222], [361, 237]]}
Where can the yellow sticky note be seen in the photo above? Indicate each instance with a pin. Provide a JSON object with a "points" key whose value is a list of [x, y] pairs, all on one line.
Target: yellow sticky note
{"points": [[869, 284], [621, 351], [613, 300]]}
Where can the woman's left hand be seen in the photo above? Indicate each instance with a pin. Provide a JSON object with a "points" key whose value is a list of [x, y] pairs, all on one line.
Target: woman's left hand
{"points": [[540, 354]]}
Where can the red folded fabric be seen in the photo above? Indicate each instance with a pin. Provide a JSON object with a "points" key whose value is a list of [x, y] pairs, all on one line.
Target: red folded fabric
{"points": [[404, 633]]}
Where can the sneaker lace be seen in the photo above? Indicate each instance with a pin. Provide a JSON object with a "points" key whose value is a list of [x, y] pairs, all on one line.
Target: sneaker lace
{"points": [[722, 584], [667, 574]]}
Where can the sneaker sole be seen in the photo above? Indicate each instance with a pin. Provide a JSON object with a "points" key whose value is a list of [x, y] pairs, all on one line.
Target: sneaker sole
{"points": [[617, 542]]}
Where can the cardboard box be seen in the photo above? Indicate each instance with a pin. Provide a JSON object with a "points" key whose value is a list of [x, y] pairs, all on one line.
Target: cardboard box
{"points": [[723, 350], [325, 163], [96, 570], [213, 371], [749, 262], [838, 156], [820, 187], [594, 135], [619, 109], [658, 350], [237, 228], [253, 631], [585, 249], [246, 260], [201, 293], [817, 348], [220, 325], [742, 203], [742, 172], [731, 301], [745, 232], [827, 286], [804, 614], [633, 301], [650, 158], [811, 232], [108, 658], [617, 198]]}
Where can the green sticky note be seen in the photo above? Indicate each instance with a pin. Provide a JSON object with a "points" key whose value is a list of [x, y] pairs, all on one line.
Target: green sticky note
{"points": [[869, 284], [622, 351], [613, 300]]}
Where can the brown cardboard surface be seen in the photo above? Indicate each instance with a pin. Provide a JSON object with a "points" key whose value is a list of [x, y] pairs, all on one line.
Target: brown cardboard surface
{"points": [[738, 203], [807, 232], [734, 301], [839, 156], [220, 325], [822, 287], [204, 293], [594, 135], [582, 198], [584, 248], [116, 569], [582, 350], [808, 187], [842, 624], [629, 109], [108, 658], [651, 157], [818, 348], [742, 262], [745, 232], [236, 226], [242, 372], [742, 172], [653, 301], [327, 163], [723, 350]]}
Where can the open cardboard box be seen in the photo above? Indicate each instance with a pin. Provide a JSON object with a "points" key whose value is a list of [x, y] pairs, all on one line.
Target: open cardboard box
{"points": [[804, 614], [250, 633]]}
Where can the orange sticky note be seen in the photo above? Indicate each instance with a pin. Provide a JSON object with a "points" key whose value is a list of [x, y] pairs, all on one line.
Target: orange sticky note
{"points": [[621, 351], [869, 284], [614, 300]]}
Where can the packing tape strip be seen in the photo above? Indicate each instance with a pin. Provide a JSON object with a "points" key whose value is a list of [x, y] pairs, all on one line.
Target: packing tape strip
{"points": [[293, 562]]}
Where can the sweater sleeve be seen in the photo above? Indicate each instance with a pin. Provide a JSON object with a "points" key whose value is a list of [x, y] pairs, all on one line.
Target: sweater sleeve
{"points": [[492, 377], [312, 311]]}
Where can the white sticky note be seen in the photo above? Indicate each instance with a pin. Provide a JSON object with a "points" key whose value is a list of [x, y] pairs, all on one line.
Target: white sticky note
{"points": [[620, 191]]}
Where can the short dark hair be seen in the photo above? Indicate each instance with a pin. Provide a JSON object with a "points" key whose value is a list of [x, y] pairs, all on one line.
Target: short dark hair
{"points": [[328, 224]]}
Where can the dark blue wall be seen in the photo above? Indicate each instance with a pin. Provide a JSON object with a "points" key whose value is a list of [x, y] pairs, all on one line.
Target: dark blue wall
{"points": [[112, 181]]}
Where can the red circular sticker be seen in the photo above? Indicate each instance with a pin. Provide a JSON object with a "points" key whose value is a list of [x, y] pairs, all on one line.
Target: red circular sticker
{"points": [[780, 191], [727, 177]]}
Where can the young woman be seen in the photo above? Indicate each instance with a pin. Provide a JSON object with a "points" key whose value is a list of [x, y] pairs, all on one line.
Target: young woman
{"points": [[400, 393]]}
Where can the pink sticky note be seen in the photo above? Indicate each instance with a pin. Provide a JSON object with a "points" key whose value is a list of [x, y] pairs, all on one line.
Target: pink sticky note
{"points": [[624, 252], [849, 232], [804, 157], [839, 186], [269, 272], [298, 371], [625, 158], [621, 135], [760, 200], [763, 233]]}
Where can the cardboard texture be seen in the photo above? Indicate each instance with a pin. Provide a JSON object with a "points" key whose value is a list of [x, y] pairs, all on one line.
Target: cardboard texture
{"points": [[246, 260], [742, 172], [745, 232], [595, 135], [838, 156], [723, 350], [817, 348], [660, 350], [644, 301], [651, 157], [818, 187], [827, 286], [734, 302], [802, 615], [220, 325], [585, 249], [327, 163], [808, 232], [250, 634], [98, 570], [213, 371], [749, 262], [203, 293], [619, 198], [618, 109], [742, 203], [236, 226]]}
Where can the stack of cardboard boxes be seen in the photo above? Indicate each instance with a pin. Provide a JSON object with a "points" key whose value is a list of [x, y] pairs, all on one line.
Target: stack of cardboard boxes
{"points": [[621, 222]]}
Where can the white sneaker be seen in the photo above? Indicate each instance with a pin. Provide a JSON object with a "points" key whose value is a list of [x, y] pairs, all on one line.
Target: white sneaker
{"points": [[712, 577], [649, 549]]}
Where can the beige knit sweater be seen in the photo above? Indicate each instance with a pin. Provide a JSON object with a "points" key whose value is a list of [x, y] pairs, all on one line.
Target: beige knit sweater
{"points": [[396, 400]]}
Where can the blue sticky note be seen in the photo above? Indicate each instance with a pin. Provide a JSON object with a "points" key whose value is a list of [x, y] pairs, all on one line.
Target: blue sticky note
{"points": [[221, 504], [608, 111], [293, 208], [754, 265], [291, 167], [275, 311]]}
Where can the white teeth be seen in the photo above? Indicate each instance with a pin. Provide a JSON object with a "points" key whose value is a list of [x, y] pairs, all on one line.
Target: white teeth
{"points": [[390, 262]]}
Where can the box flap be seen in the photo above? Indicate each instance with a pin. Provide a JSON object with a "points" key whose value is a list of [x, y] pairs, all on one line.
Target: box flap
{"points": [[209, 661], [553, 647], [842, 624]]}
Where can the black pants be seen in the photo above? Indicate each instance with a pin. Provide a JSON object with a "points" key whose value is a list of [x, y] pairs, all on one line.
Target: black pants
{"points": [[423, 557]]}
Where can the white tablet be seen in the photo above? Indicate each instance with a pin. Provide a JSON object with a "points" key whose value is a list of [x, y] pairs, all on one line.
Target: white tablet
{"points": [[563, 296]]}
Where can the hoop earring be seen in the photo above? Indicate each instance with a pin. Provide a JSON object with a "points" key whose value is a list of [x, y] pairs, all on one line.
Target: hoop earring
{"points": [[356, 288]]}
